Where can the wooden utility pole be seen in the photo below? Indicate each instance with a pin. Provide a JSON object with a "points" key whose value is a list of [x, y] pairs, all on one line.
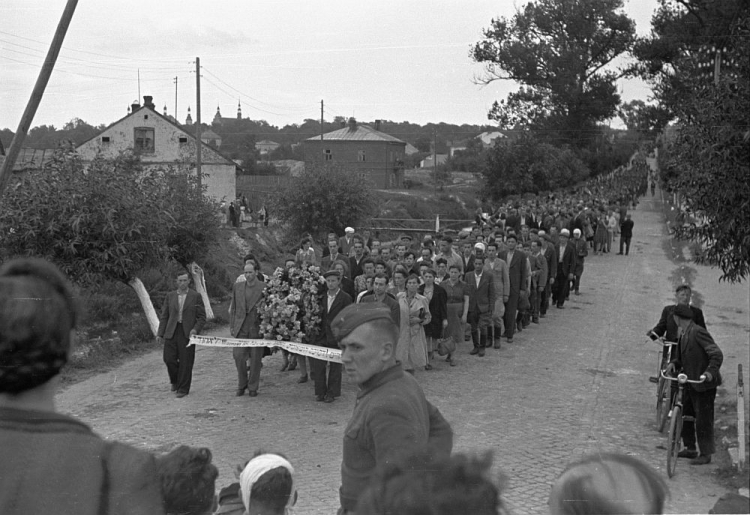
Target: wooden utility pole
{"points": [[321, 123], [36, 94], [198, 120], [175, 98], [434, 157]]}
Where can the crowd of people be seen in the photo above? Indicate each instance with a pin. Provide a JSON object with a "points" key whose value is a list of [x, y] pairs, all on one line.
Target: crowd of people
{"points": [[387, 307], [239, 211]]}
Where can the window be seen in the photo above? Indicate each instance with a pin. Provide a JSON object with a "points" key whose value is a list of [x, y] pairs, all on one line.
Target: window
{"points": [[105, 140], [361, 156], [144, 139], [328, 155], [183, 140]]}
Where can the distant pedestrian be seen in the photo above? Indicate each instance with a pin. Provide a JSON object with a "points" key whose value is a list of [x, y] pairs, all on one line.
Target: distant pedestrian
{"points": [[626, 234], [182, 316], [232, 215]]}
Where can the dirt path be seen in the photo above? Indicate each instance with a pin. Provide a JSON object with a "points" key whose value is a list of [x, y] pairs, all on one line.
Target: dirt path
{"points": [[575, 384]]}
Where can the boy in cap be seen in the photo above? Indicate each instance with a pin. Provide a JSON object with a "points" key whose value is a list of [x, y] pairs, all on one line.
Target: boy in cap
{"points": [[391, 416]]}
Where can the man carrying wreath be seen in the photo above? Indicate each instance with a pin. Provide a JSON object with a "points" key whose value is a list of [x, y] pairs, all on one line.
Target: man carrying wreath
{"points": [[244, 322]]}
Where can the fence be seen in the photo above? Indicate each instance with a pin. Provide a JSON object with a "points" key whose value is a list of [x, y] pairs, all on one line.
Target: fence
{"points": [[394, 226]]}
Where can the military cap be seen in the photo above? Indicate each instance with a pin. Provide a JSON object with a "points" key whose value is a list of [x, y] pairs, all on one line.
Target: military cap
{"points": [[354, 315], [332, 272]]}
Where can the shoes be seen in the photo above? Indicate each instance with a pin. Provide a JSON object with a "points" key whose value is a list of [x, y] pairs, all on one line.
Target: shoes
{"points": [[578, 293], [690, 453], [292, 366], [474, 351], [654, 379], [320, 398], [284, 366], [174, 387], [328, 399], [302, 379], [252, 393], [510, 339], [535, 320], [240, 392], [619, 253], [452, 363], [543, 315], [560, 306], [428, 367], [701, 460], [481, 352], [496, 345], [180, 395]]}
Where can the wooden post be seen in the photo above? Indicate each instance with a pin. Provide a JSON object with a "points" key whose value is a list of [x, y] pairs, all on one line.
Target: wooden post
{"points": [[198, 122], [36, 94], [740, 418]]}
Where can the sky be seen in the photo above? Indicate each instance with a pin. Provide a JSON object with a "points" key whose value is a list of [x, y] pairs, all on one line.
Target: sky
{"points": [[405, 60]]}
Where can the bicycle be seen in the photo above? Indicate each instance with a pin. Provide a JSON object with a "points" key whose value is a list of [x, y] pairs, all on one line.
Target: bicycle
{"points": [[676, 419], [663, 390]]}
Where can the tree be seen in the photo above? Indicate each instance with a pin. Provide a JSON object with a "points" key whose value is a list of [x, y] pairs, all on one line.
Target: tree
{"points": [[104, 221], [644, 119], [525, 165], [324, 199], [561, 52]]}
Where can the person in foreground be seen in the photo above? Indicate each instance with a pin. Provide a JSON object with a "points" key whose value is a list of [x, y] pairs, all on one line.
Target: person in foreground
{"points": [[391, 415], [423, 483], [188, 481], [49, 462], [608, 483], [696, 354]]}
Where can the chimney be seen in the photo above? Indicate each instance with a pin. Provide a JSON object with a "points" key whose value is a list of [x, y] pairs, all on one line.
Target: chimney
{"points": [[343, 124], [148, 101], [377, 125], [352, 124], [134, 107]]}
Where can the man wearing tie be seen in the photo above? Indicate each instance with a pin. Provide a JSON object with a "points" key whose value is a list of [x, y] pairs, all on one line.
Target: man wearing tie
{"points": [[328, 385], [481, 287], [182, 316], [244, 322], [518, 278]]}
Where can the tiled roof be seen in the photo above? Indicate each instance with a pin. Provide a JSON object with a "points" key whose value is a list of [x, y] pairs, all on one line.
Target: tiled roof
{"points": [[359, 133], [31, 158]]}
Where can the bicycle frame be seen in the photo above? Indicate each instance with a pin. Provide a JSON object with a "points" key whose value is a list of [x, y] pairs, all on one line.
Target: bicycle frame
{"points": [[676, 419]]}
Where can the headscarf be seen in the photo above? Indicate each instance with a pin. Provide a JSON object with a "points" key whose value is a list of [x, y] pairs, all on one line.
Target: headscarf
{"points": [[258, 466]]}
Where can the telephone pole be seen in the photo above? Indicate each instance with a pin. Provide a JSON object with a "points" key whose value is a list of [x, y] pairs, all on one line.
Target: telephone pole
{"points": [[198, 121], [175, 98], [321, 124]]}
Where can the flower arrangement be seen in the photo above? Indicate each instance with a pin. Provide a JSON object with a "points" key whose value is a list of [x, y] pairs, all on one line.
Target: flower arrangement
{"points": [[292, 304]]}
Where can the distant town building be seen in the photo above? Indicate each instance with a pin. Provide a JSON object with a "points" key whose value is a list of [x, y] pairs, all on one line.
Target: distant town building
{"points": [[411, 149], [266, 146], [427, 162], [375, 156], [209, 137], [161, 142], [488, 138]]}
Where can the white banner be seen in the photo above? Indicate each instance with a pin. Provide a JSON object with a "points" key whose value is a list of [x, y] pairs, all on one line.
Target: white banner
{"points": [[312, 351]]}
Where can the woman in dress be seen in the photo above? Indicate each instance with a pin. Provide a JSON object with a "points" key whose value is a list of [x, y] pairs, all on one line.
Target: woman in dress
{"points": [[438, 303], [457, 303], [415, 314], [306, 254]]}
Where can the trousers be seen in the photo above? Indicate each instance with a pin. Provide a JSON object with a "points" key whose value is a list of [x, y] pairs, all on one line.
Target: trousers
{"points": [[248, 378], [326, 384], [179, 359], [701, 406], [626, 241], [560, 289]]}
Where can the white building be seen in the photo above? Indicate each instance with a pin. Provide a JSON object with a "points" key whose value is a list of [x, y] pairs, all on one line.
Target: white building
{"points": [[161, 142]]}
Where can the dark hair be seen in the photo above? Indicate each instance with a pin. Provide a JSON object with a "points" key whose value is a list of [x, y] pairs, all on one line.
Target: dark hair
{"points": [[341, 262], [188, 480], [37, 313], [447, 239], [380, 275], [409, 253], [454, 265], [412, 276], [511, 236], [479, 257], [381, 263], [587, 486], [425, 484], [430, 271], [492, 244], [401, 270], [683, 287], [252, 257], [441, 261], [304, 240], [368, 260]]}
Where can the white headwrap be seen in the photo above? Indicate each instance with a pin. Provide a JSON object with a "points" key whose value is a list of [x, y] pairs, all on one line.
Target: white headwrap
{"points": [[258, 466]]}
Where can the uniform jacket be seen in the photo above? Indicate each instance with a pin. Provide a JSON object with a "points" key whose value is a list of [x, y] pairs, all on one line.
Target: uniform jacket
{"points": [[481, 296], [391, 417], [325, 337], [517, 271], [193, 314], [697, 353]]}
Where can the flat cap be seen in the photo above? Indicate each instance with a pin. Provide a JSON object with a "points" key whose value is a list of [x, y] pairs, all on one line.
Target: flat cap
{"points": [[349, 230], [683, 311], [354, 315], [331, 273], [565, 232]]}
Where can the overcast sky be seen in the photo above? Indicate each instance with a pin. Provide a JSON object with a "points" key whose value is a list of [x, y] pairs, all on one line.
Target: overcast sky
{"points": [[405, 60]]}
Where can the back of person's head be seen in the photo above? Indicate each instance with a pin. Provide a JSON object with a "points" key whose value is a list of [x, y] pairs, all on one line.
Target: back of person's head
{"points": [[37, 314], [188, 480], [267, 484], [608, 483], [423, 484]]}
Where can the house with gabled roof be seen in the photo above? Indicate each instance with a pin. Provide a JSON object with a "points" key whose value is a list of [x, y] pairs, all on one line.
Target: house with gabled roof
{"points": [[159, 141], [375, 156]]}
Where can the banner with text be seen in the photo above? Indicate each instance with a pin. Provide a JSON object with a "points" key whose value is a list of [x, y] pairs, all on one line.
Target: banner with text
{"points": [[312, 351]]}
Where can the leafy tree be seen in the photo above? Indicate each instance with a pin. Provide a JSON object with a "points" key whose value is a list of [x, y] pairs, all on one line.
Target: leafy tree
{"points": [[525, 165], [561, 52], [324, 199], [104, 221], [644, 119]]}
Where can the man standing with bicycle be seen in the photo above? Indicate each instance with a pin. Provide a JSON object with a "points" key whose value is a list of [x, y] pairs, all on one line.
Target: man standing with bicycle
{"points": [[696, 354]]}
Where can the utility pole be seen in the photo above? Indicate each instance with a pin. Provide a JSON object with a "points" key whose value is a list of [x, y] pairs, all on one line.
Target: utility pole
{"points": [[175, 98], [36, 94], [198, 120], [434, 157], [321, 124]]}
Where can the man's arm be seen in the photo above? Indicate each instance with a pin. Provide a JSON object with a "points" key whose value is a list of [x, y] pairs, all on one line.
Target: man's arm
{"points": [[542, 280], [200, 315], [715, 356], [698, 317], [163, 317], [395, 312], [660, 328]]}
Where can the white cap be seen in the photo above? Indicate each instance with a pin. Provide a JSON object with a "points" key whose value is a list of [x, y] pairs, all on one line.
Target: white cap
{"points": [[349, 230], [565, 232], [576, 232], [479, 245]]}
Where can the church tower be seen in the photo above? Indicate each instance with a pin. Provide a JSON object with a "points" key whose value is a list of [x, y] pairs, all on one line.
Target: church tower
{"points": [[239, 110], [217, 117], [189, 119]]}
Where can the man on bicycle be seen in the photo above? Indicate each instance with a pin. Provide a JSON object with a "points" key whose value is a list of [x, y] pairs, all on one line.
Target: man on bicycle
{"points": [[696, 354], [667, 326]]}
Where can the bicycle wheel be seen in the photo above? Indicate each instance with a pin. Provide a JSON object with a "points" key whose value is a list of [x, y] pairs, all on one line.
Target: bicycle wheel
{"points": [[673, 439], [662, 404]]}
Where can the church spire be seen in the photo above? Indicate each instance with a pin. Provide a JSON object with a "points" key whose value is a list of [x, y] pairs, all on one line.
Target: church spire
{"points": [[189, 119], [239, 110]]}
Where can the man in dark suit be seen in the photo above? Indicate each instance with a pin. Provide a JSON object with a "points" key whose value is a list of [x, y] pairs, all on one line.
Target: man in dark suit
{"points": [[551, 255], [626, 234], [328, 386], [333, 254], [513, 221], [182, 316], [244, 322], [518, 276], [356, 263], [481, 289], [566, 265], [346, 241], [697, 354], [380, 294]]}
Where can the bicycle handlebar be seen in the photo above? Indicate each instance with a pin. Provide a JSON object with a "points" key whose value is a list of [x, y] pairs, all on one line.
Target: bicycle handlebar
{"points": [[682, 378], [661, 341]]}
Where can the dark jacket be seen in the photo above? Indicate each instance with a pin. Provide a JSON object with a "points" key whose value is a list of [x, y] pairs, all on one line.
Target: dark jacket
{"points": [[438, 311], [482, 295], [697, 353], [568, 264], [667, 327], [325, 337], [517, 272], [391, 417], [389, 301], [193, 314], [52, 463], [626, 229]]}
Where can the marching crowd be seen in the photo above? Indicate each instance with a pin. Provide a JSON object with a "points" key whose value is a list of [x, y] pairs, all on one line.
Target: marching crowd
{"points": [[388, 307]]}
